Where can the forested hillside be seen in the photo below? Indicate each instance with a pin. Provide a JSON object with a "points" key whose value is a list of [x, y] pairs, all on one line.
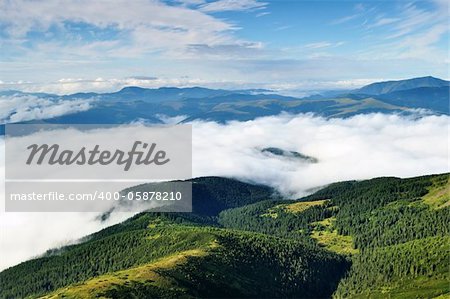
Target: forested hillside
{"points": [[379, 238]]}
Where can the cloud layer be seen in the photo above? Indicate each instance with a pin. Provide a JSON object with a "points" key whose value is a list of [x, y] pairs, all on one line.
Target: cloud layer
{"points": [[24, 107], [360, 147]]}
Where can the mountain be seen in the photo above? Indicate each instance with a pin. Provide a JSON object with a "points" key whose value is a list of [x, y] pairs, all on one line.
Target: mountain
{"points": [[215, 194], [431, 98], [378, 238], [157, 106], [162, 94], [400, 85], [222, 109]]}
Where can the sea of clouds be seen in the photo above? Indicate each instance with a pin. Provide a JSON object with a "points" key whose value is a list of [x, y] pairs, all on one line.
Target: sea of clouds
{"points": [[360, 147], [25, 107]]}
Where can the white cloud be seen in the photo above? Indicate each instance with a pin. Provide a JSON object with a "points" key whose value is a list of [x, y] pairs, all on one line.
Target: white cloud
{"points": [[359, 147], [73, 85], [190, 2], [232, 5], [421, 44], [262, 14], [345, 19], [171, 120], [23, 16], [144, 27], [413, 18], [27, 235], [412, 34], [305, 88], [417, 46], [23, 107], [410, 30], [176, 38], [359, 10], [383, 22], [323, 44]]}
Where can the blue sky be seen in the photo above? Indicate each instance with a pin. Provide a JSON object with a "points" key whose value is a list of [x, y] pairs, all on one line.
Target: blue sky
{"points": [[99, 45]]}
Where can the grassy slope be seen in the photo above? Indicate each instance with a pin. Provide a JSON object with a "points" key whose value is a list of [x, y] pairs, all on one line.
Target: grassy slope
{"points": [[353, 106], [302, 206], [439, 193], [326, 235], [323, 231], [296, 207]]}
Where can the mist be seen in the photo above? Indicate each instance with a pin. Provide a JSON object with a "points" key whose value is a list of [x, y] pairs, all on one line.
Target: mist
{"points": [[24, 107], [360, 147]]}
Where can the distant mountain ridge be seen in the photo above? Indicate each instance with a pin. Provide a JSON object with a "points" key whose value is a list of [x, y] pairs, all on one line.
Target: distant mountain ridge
{"points": [[431, 98], [400, 85], [133, 103], [176, 93]]}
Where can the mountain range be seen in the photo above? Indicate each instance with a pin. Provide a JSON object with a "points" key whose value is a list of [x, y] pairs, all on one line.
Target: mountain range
{"points": [[188, 104], [380, 238], [394, 86]]}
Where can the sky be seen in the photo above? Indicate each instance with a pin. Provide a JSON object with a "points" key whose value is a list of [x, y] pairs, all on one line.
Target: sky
{"points": [[63, 46]]}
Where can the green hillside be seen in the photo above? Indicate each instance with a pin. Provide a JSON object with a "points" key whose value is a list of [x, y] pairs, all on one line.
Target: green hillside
{"points": [[379, 238], [233, 263], [214, 194]]}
